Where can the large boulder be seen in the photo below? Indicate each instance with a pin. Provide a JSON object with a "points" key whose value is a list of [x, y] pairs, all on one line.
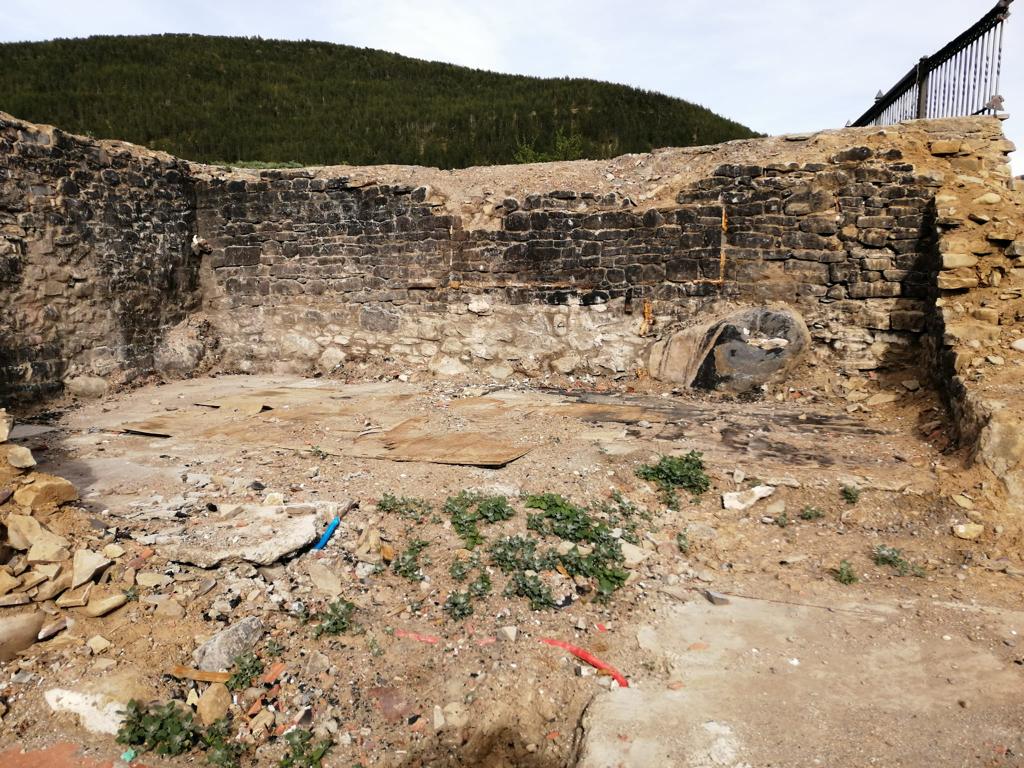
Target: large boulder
{"points": [[735, 353]]}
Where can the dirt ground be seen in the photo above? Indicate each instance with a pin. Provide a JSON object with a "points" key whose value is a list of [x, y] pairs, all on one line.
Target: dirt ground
{"points": [[785, 667]]}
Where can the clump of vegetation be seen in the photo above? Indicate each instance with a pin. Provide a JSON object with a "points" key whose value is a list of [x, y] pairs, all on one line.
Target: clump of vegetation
{"points": [[274, 648], [597, 554], [782, 520], [480, 586], [318, 452], [460, 569], [886, 555], [844, 573], [459, 605], [247, 668], [337, 620], [167, 729], [222, 751], [850, 494], [408, 507], [674, 472], [683, 542], [518, 553], [467, 510], [811, 513], [530, 586], [407, 564], [302, 751], [620, 512]]}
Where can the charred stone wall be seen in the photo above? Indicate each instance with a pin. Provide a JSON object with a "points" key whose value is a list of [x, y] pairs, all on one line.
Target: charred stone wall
{"points": [[95, 259], [307, 266]]}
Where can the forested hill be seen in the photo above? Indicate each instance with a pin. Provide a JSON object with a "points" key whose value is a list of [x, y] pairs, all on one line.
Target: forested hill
{"points": [[247, 99]]}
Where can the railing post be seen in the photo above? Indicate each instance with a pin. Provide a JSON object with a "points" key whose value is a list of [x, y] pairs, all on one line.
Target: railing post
{"points": [[922, 88]]}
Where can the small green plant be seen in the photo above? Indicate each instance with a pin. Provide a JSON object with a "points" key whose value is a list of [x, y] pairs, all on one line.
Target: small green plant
{"points": [[408, 507], [460, 569], [532, 588], [247, 668], [318, 452], [518, 553], [811, 513], [886, 555], [782, 520], [374, 646], [132, 594], [274, 648], [407, 564], [674, 472], [480, 586], [844, 573], [337, 620], [166, 729], [850, 494], [683, 542], [459, 605], [302, 751], [467, 509], [221, 750]]}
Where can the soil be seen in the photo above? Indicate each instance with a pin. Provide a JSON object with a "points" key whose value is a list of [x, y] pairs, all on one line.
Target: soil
{"points": [[796, 669]]}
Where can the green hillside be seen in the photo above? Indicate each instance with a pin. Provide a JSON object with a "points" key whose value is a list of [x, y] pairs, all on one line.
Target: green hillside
{"points": [[246, 99]]}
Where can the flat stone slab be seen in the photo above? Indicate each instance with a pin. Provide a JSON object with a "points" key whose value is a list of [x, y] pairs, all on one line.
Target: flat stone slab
{"points": [[254, 534]]}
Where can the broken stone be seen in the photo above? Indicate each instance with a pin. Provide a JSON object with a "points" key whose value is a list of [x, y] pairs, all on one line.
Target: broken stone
{"points": [[218, 653], [101, 606], [98, 644], [151, 579], [963, 501], [741, 500], [169, 608], [715, 598], [734, 353], [632, 554], [508, 634], [911, 385], [86, 565], [267, 535], [19, 457], [20, 598], [324, 579], [989, 198], [1017, 345], [55, 587], [214, 703], [44, 491], [52, 628], [6, 425], [968, 531], [113, 551], [18, 632], [76, 598], [8, 582]]}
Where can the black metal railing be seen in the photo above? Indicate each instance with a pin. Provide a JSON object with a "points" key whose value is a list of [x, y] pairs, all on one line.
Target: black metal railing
{"points": [[960, 79]]}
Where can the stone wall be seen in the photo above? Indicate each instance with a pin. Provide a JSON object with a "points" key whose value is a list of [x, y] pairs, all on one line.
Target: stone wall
{"points": [[95, 259], [313, 268]]}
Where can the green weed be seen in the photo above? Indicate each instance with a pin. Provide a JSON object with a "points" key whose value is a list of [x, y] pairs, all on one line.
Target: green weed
{"points": [[459, 605], [337, 620], [407, 564], [167, 729], [302, 752], [844, 573], [247, 668], [674, 472], [850, 494], [683, 542], [811, 513], [886, 555], [532, 588], [410, 508]]}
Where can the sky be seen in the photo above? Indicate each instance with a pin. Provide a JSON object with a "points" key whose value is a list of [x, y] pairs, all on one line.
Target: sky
{"points": [[777, 66]]}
